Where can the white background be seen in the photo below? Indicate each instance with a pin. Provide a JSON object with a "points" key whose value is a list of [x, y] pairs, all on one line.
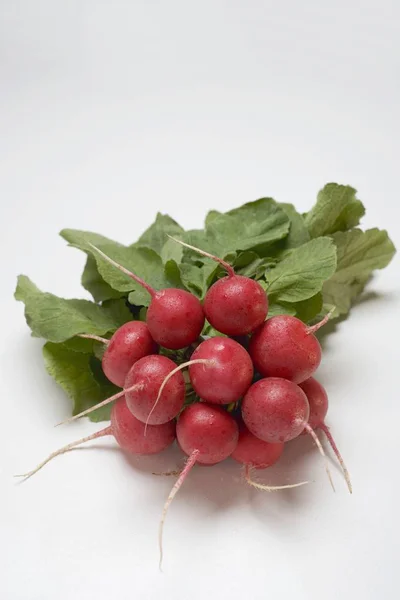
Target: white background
{"points": [[109, 112]]}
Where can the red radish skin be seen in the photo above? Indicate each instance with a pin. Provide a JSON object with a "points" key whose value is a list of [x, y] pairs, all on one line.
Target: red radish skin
{"points": [[141, 390], [128, 432], [129, 343], [208, 435], [147, 376], [208, 429], [175, 317], [318, 401], [227, 376], [285, 347], [254, 452], [234, 305], [275, 410]]}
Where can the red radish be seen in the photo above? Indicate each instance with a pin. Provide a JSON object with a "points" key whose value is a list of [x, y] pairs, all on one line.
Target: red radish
{"points": [[129, 343], [175, 317], [208, 434], [227, 375], [255, 453], [147, 375], [318, 401], [145, 379], [277, 410], [128, 432], [234, 305], [285, 347]]}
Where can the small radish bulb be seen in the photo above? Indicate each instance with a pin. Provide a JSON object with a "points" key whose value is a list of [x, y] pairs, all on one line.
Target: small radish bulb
{"points": [[128, 432], [234, 305], [129, 343], [175, 317], [141, 390], [285, 347]]}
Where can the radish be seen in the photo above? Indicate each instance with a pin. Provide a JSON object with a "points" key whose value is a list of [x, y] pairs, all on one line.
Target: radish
{"points": [[220, 371], [208, 435], [255, 453], [143, 392], [234, 305], [318, 401], [145, 379], [285, 347], [129, 343], [128, 432], [277, 410], [175, 317]]}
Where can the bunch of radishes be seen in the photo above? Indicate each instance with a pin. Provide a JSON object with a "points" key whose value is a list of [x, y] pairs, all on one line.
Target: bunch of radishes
{"points": [[252, 386]]}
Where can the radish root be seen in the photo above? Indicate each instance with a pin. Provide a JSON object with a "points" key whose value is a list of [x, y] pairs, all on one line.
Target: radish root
{"points": [[314, 328], [64, 449], [335, 449], [100, 404], [191, 461], [228, 268], [269, 488], [196, 361], [112, 262], [314, 436], [96, 338]]}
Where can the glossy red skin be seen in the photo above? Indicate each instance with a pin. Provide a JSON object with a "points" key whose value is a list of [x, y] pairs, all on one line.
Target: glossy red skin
{"points": [[175, 318], [209, 429], [275, 410], [318, 401], [282, 348], [236, 305], [129, 343], [229, 378], [129, 432], [151, 371], [254, 452]]}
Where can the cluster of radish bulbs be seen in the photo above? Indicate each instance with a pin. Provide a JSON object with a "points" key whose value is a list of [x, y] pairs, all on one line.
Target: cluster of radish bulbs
{"points": [[253, 384]]}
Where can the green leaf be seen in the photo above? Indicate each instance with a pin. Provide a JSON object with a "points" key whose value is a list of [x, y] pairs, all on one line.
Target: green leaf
{"points": [[93, 282], [349, 217], [276, 309], [171, 251], [253, 226], [359, 253], [302, 272], [298, 232], [143, 262], [57, 319], [307, 310], [73, 371], [336, 207], [157, 234]]}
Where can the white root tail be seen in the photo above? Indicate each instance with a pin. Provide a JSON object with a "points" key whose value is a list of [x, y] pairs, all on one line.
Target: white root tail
{"points": [[196, 361], [335, 449], [269, 488], [100, 404], [314, 436], [228, 268], [64, 449], [191, 461], [96, 338], [314, 328], [112, 262]]}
